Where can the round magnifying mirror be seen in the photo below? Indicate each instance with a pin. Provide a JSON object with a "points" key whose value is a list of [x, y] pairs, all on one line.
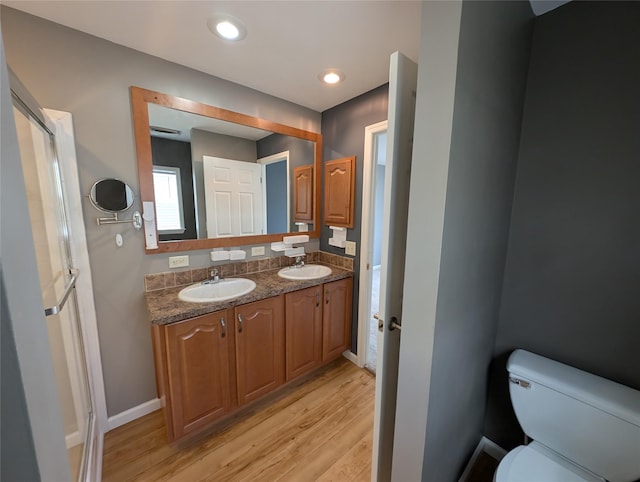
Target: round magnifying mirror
{"points": [[111, 196]]}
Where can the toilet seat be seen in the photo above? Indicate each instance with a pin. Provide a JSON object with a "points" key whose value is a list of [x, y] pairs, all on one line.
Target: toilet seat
{"points": [[537, 463]]}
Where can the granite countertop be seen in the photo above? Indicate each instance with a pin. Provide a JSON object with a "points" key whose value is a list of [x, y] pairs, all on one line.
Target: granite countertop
{"points": [[165, 307]]}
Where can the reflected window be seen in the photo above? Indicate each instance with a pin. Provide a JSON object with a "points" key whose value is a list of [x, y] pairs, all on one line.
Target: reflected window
{"points": [[169, 210]]}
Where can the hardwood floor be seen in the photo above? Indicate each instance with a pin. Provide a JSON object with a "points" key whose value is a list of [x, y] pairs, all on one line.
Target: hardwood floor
{"points": [[316, 430]]}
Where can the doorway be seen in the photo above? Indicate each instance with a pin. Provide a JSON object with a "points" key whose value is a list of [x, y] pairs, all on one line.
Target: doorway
{"points": [[276, 192], [375, 152]]}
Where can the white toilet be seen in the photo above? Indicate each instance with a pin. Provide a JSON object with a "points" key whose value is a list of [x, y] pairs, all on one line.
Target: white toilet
{"points": [[583, 427]]}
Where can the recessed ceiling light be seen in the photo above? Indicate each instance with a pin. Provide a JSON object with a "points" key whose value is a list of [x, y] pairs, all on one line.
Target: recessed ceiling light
{"points": [[228, 30], [227, 27], [331, 76]]}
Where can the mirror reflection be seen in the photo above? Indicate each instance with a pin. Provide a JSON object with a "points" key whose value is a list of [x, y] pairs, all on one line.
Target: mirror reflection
{"points": [[217, 179], [111, 196], [195, 162]]}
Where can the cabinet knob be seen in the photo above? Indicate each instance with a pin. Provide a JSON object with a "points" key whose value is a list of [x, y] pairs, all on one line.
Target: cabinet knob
{"points": [[224, 328], [240, 321], [317, 299]]}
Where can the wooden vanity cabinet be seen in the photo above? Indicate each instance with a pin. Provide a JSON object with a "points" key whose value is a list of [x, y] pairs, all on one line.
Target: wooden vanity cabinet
{"points": [[210, 366], [339, 192], [198, 371], [303, 316], [303, 194], [336, 316], [259, 348]]}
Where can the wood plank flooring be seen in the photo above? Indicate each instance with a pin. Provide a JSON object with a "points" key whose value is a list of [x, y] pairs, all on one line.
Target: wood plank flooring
{"points": [[319, 429]]}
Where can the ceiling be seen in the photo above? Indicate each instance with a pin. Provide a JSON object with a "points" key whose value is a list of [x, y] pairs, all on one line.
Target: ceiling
{"points": [[289, 43]]}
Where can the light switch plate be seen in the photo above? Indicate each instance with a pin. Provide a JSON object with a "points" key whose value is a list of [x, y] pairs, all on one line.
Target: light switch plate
{"points": [[178, 261], [350, 248], [257, 251]]}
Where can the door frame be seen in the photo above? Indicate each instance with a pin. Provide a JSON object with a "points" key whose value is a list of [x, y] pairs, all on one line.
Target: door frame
{"points": [[61, 124], [366, 238], [278, 157]]}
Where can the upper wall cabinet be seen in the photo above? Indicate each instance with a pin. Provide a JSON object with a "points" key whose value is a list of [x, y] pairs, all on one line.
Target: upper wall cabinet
{"points": [[303, 194], [339, 192]]}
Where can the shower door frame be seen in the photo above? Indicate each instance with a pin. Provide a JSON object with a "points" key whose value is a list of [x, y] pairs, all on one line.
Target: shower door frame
{"points": [[61, 124]]}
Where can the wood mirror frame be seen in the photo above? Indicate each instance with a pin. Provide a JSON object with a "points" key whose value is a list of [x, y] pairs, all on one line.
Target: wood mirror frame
{"points": [[140, 98]]}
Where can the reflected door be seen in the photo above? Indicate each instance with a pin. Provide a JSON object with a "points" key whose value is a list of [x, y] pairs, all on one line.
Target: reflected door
{"points": [[57, 278], [233, 197]]}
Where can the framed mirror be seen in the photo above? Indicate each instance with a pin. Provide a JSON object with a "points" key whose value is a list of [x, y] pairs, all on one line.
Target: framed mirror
{"points": [[196, 161], [111, 196]]}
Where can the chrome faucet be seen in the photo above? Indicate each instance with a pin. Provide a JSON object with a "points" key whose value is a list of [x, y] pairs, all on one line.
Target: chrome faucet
{"points": [[214, 277], [299, 262]]}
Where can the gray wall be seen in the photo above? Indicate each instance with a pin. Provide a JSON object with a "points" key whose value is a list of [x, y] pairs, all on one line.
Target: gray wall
{"points": [[490, 86], [437, 67], [17, 451], [32, 437], [343, 136], [89, 77], [471, 85], [572, 278]]}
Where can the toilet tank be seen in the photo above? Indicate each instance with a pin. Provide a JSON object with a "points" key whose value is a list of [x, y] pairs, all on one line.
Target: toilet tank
{"points": [[590, 420]]}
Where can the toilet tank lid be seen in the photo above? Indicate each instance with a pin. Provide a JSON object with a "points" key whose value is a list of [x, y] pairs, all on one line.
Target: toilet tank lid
{"points": [[611, 397]]}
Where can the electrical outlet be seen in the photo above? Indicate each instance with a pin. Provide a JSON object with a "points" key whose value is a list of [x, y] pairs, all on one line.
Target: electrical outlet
{"points": [[257, 251], [350, 248], [178, 261]]}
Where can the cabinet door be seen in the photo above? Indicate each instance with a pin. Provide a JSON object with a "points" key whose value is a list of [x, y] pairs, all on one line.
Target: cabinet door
{"points": [[303, 320], [339, 192], [336, 318], [198, 371], [259, 348], [303, 194]]}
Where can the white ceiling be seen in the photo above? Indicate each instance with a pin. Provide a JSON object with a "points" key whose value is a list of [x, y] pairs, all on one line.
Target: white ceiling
{"points": [[288, 43]]}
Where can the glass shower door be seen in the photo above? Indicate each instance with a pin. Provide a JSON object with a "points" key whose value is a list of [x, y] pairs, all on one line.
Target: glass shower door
{"points": [[57, 278]]}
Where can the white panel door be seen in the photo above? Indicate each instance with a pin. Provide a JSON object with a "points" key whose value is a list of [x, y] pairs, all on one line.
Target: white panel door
{"points": [[403, 75], [233, 197]]}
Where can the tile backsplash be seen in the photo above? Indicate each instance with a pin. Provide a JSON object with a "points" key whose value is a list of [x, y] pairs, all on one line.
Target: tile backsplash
{"points": [[170, 279]]}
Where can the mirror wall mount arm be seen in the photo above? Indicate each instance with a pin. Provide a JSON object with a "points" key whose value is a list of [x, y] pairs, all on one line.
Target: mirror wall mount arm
{"points": [[140, 98], [136, 220]]}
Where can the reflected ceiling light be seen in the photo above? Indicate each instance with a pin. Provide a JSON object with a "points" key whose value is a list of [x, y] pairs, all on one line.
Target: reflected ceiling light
{"points": [[331, 76], [227, 27]]}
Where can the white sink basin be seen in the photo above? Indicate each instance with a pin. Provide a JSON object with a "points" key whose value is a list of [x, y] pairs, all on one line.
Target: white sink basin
{"points": [[308, 271], [225, 289]]}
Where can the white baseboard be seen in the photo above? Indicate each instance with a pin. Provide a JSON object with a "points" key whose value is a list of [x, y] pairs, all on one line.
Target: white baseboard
{"points": [[73, 439], [493, 448], [487, 446], [133, 413], [352, 357]]}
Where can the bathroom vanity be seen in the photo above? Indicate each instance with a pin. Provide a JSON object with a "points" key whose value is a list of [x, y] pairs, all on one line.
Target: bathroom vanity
{"points": [[214, 359]]}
